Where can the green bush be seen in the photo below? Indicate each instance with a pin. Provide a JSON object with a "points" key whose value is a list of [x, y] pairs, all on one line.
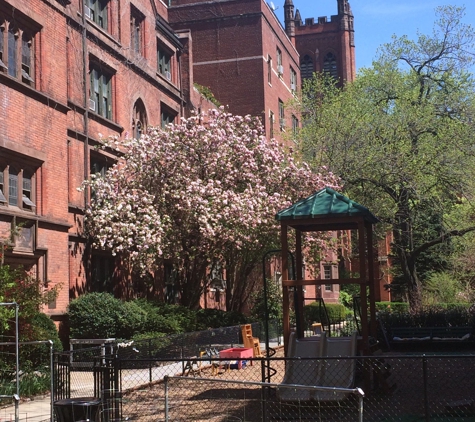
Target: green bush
{"points": [[392, 306], [100, 315], [215, 318], [336, 313], [442, 315]]}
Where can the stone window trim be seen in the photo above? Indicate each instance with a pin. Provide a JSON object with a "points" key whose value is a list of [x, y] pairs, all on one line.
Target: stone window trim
{"points": [[18, 35], [101, 81], [167, 115], [137, 31], [281, 116], [18, 185], [165, 58], [98, 11]]}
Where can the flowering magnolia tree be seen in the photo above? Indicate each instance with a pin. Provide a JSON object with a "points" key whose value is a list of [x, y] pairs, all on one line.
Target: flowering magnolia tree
{"points": [[200, 192]]}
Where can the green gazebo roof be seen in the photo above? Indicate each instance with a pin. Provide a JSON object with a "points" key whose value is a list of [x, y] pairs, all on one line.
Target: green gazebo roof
{"points": [[326, 202]]}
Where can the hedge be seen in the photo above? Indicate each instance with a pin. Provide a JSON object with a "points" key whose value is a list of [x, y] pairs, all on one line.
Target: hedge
{"points": [[336, 313]]}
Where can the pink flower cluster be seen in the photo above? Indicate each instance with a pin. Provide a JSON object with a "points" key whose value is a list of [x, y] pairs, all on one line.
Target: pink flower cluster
{"points": [[196, 188]]}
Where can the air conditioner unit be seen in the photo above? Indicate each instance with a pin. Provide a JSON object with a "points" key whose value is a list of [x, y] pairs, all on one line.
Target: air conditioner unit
{"points": [[280, 69], [87, 11], [293, 87], [168, 75], [282, 123], [92, 105]]}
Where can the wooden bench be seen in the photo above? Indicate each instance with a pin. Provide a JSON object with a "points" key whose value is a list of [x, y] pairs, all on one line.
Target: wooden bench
{"points": [[445, 334]]}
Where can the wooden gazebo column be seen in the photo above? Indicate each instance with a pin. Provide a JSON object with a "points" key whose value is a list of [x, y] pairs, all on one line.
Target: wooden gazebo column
{"points": [[285, 289], [371, 280], [363, 283]]}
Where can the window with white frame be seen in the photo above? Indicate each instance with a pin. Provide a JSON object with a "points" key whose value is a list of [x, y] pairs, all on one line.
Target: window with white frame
{"points": [[293, 80], [327, 275], [269, 69], [280, 67], [281, 115], [271, 123]]}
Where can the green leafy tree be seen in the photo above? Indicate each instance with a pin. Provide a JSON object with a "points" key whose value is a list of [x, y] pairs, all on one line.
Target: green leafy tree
{"points": [[401, 138]]}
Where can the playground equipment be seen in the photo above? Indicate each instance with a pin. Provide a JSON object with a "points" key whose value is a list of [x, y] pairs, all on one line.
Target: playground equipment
{"points": [[336, 373], [249, 341], [326, 211]]}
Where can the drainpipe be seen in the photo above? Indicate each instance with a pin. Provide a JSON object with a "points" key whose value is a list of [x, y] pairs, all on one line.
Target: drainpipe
{"points": [[86, 102]]}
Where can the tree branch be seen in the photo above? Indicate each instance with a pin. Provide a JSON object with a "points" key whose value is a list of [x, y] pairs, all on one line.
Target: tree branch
{"points": [[445, 236]]}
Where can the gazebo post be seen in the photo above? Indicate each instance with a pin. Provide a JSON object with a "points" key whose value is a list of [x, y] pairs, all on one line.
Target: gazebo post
{"points": [[285, 289], [371, 281], [362, 244], [298, 305]]}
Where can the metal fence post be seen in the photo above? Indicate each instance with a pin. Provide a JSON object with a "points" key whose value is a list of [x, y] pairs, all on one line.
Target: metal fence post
{"points": [[425, 378], [166, 398]]}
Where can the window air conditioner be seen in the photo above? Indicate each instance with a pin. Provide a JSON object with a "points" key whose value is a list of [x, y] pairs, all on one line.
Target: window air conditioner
{"points": [[92, 105], [87, 11], [280, 69], [293, 87], [168, 75], [282, 123]]}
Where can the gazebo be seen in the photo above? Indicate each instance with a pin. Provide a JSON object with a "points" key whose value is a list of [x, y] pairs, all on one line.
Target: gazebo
{"points": [[325, 211]]}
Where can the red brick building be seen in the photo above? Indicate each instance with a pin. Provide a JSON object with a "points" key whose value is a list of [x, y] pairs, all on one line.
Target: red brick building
{"points": [[242, 53], [325, 45], [71, 70]]}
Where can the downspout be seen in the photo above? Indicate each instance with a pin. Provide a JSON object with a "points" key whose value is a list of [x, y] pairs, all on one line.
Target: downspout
{"points": [[86, 105]]}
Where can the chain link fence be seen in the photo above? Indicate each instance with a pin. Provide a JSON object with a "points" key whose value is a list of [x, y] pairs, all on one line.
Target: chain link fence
{"points": [[178, 380]]}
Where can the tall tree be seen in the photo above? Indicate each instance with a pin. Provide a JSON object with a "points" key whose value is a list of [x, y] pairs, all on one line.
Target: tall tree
{"points": [[401, 136], [201, 193]]}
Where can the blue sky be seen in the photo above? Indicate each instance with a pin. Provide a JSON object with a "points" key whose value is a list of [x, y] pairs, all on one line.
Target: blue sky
{"points": [[377, 20]]}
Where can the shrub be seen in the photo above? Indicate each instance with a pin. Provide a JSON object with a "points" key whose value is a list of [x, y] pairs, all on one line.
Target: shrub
{"points": [[215, 318], [100, 315], [313, 313], [392, 306]]}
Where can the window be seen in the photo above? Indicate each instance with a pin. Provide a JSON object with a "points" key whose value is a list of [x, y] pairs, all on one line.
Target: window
{"points": [[306, 67], [281, 115], [271, 124], [17, 50], [139, 120], [17, 187], [327, 275], [167, 117], [280, 68], [97, 11], [100, 92], [295, 125], [164, 62], [100, 165], [136, 31], [329, 65], [293, 80], [269, 69], [102, 273]]}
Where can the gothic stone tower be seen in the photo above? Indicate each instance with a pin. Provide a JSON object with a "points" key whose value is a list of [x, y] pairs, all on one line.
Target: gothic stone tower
{"points": [[324, 45]]}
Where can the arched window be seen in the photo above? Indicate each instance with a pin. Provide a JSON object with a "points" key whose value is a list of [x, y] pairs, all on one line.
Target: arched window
{"points": [[139, 119], [306, 67], [329, 65]]}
